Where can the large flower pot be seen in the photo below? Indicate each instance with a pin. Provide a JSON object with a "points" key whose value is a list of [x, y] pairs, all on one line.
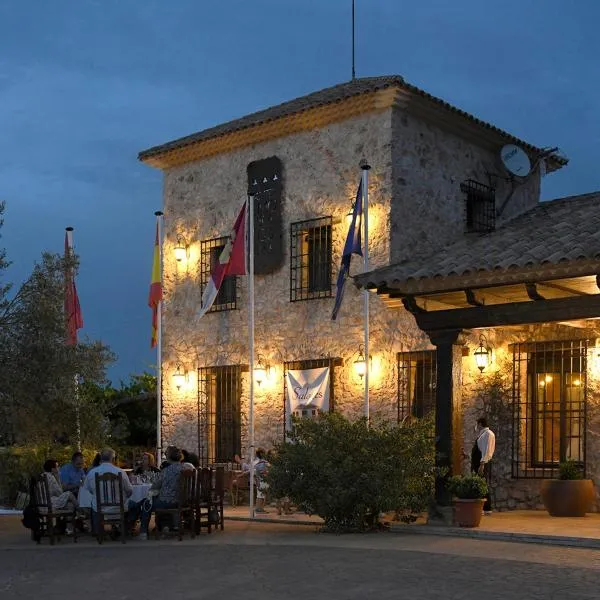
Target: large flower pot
{"points": [[467, 513], [568, 498]]}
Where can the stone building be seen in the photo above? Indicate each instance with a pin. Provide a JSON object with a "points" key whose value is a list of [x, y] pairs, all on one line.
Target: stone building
{"points": [[464, 258]]}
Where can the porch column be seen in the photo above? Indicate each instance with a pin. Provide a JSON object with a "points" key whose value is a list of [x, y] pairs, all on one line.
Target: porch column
{"points": [[448, 407]]}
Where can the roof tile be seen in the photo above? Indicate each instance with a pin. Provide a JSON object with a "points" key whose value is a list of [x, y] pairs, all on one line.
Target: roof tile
{"points": [[554, 232]]}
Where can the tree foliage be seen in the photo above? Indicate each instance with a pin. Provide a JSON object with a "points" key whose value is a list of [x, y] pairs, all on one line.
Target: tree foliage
{"points": [[349, 472], [39, 395]]}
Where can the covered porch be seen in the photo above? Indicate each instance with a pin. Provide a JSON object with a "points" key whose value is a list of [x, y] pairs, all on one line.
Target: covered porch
{"points": [[532, 288]]}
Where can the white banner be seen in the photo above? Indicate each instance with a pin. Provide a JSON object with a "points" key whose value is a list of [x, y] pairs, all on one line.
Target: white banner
{"points": [[307, 393]]}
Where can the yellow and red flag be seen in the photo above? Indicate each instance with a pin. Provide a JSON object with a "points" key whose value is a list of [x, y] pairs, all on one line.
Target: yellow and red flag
{"points": [[155, 296]]}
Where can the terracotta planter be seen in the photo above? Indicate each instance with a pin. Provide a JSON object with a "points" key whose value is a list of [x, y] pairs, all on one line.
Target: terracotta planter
{"points": [[467, 513], [568, 498]]}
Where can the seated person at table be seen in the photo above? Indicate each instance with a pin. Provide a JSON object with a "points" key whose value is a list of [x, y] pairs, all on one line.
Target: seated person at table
{"points": [[107, 457], [96, 462], [261, 468], [72, 474], [59, 499], [191, 459], [147, 466], [167, 486]]}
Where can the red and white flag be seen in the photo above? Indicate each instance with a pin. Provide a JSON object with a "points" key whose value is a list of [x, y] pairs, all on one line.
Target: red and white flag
{"points": [[73, 316], [232, 261]]}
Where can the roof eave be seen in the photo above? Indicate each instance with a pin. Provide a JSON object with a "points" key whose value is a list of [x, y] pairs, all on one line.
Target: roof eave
{"points": [[480, 279]]}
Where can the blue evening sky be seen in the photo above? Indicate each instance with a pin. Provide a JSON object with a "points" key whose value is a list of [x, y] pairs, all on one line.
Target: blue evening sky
{"points": [[86, 84]]}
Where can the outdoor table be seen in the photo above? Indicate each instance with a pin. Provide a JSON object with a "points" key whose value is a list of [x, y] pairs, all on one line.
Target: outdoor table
{"points": [[140, 492]]}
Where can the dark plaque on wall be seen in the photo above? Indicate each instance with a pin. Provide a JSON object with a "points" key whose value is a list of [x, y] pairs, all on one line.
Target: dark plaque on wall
{"points": [[265, 184]]}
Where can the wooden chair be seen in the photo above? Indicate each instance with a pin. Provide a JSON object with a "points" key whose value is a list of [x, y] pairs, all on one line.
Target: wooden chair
{"points": [[185, 504], [206, 501], [110, 503], [240, 487], [47, 514]]}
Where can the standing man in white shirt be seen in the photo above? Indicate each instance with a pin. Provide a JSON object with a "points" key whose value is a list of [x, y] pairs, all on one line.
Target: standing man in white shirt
{"points": [[481, 457]]}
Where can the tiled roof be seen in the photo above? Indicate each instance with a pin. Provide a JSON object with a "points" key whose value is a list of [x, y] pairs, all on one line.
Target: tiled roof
{"points": [[331, 95], [561, 232]]}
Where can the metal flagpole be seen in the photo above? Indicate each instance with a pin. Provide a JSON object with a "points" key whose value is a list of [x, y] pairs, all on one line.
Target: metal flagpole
{"points": [[364, 165], [250, 230], [159, 215], [353, 70], [69, 231]]}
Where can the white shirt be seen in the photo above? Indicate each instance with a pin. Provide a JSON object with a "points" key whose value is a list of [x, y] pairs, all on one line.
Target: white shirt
{"points": [[106, 467], [486, 442]]}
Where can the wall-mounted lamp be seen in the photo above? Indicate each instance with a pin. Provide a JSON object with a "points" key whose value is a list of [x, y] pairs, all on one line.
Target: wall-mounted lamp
{"points": [[483, 354], [180, 250], [360, 364], [261, 370], [179, 377]]}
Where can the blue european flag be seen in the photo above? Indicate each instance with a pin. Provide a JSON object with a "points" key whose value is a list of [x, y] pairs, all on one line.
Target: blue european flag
{"points": [[352, 246]]}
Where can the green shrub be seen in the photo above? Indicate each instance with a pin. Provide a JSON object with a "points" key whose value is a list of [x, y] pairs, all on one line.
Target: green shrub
{"points": [[468, 487], [570, 470], [348, 472], [19, 463]]}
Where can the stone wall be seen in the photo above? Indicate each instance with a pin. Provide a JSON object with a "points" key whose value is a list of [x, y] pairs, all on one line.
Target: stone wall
{"points": [[414, 184], [428, 166], [477, 393], [321, 175]]}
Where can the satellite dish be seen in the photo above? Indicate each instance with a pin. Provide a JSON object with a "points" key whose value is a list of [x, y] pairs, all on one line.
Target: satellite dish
{"points": [[515, 160]]}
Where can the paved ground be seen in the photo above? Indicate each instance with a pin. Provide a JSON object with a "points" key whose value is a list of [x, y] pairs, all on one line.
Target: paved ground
{"points": [[277, 561]]}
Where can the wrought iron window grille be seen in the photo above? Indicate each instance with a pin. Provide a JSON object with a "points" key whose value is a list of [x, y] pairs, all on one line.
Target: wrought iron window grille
{"points": [[311, 259], [210, 250], [480, 206], [219, 419], [417, 381], [549, 407]]}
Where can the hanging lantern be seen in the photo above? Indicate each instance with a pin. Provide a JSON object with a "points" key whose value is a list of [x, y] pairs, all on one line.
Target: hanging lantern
{"points": [[180, 250], [261, 372], [179, 377], [360, 364], [483, 354]]}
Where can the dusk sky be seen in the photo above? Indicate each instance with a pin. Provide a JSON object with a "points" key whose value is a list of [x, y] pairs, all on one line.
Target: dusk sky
{"points": [[86, 84]]}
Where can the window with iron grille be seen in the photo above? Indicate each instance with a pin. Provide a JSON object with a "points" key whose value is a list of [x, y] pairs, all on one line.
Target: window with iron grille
{"points": [[210, 250], [310, 259], [417, 379], [480, 206], [219, 416], [549, 406], [301, 365]]}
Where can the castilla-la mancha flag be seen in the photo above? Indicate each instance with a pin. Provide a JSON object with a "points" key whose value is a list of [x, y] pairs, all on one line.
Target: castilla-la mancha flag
{"points": [[73, 316], [232, 261], [155, 296]]}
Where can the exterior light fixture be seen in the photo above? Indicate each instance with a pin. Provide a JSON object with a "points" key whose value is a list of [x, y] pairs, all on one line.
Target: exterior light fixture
{"points": [[261, 371], [360, 364], [179, 377], [180, 250], [483, 354]]}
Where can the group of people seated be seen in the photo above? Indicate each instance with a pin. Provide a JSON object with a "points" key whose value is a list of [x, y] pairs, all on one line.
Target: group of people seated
{"points": [[64, 484]]}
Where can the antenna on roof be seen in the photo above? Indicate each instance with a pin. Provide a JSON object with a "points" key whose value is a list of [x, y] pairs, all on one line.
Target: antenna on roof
{"points": [[353, 70]]}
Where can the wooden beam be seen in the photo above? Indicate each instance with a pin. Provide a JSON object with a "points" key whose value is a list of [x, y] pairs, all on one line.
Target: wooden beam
{"points": [[563, 288], [472, 298], [533, 293], [517, 313], [410, 304]]}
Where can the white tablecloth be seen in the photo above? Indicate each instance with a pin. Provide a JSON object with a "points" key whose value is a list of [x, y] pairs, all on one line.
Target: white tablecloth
{"points": [[140, 491]]}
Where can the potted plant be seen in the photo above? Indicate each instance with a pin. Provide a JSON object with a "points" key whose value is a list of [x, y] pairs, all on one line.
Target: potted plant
{"points": [[570, 495], [470, 492]]}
